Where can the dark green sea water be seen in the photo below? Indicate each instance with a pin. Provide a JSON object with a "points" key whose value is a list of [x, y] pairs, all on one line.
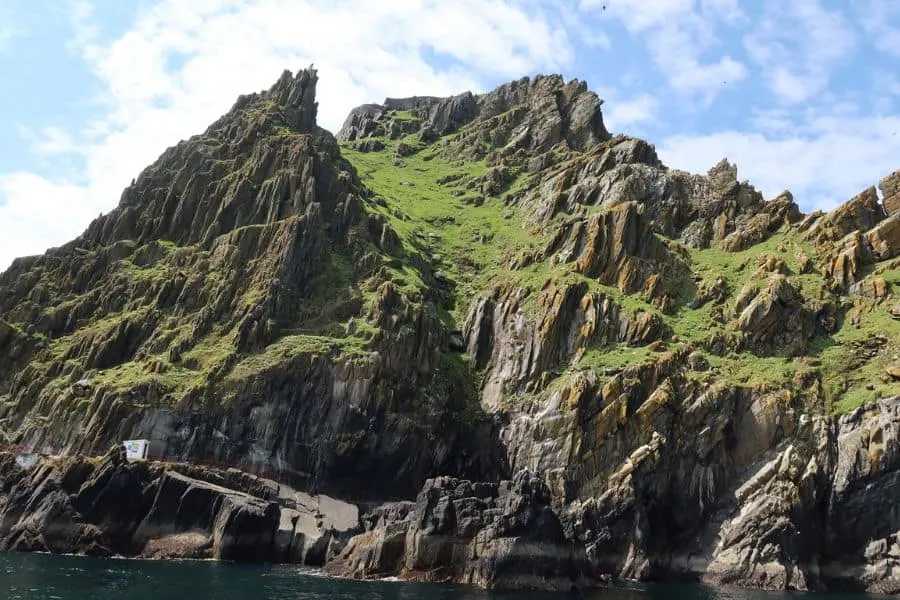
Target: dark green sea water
{"points": [[44, 577]]}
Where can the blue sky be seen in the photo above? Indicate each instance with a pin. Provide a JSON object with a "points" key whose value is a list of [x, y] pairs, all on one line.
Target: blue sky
{"points": [[801, 94]]}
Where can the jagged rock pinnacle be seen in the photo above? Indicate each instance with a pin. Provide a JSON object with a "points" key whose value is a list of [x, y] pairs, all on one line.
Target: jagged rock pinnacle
{"points": [[297, 94]]}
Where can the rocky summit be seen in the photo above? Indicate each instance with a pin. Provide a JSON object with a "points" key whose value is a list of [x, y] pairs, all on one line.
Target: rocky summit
{"points": [[477, 339]]}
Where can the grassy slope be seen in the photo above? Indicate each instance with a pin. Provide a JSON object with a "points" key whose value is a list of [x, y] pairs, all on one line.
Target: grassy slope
{"points": [[473, 242], [443, 221]]}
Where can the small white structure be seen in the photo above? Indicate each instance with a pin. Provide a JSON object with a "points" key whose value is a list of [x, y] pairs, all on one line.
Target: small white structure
{"points": [[136, 449], [27, 461]]}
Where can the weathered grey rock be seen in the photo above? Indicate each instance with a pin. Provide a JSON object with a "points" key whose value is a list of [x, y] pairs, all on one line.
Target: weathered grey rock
{"points": [[854, 235], [250, 302], [314, 527], [890, 189], [370, 146], [861, 213], [777, 213], [263, 200], [884, 238], [862, 519], [116, 507], [444, 115], [533, 115], [517, 351], [772, 317], [494, 536], [360, 123]]}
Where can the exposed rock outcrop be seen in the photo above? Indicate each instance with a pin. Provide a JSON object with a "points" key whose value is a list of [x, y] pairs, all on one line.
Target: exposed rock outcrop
{"points": [[797, 513], [529, 115], [618, 248], [854, 235], [771, 317], [113, 507], [890, 189], [518, 353], [313, 527], [861, 213], [502, 536]]}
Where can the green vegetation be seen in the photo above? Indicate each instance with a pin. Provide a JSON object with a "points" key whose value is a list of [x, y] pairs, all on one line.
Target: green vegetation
{"points": [[748, 370], [153, 371], [467, 236], [291, 347], [611, 360], [403, 115], [854, 359], [473, 239]]}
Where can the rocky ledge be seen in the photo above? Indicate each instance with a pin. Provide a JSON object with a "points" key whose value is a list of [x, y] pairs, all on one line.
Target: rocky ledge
{"points": [[492, 535], [110, 506]]}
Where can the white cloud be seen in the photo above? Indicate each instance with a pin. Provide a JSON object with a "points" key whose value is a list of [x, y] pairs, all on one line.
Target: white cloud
{"points": [[773, 121], [824, 162], [728, 10], [881, 19], [586, 32], [621, 113], [679, 34], [791, 87], [797, 45], [182, 64], [708, 78], [49, 141], [641, 15], [10, 29], [39, 214]]}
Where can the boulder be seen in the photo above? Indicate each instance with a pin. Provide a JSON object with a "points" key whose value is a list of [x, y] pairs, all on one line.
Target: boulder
{"points": [[772, 316], [314, 527]]}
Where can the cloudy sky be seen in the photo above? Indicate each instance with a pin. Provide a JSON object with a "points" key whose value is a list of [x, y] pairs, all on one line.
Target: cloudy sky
{"points": [[801, 94]]}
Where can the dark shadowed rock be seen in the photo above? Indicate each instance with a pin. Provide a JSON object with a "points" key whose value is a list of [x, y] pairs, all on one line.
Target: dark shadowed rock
{"points": [[116, 507], [502, 536]]}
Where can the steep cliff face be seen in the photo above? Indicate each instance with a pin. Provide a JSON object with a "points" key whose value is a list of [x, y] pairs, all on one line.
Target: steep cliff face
{"points": [[594, 364], [242, 305]]}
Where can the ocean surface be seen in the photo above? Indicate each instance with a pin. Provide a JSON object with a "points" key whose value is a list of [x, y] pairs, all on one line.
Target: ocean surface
{"points": [[45, 577]]}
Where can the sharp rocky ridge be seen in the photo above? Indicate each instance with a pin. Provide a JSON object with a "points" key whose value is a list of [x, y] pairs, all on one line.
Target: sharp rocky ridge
{"points": [[522, 351]]}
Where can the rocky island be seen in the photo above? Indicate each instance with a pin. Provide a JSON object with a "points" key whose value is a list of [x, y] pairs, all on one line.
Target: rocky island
{"points": [[476, 339]]}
